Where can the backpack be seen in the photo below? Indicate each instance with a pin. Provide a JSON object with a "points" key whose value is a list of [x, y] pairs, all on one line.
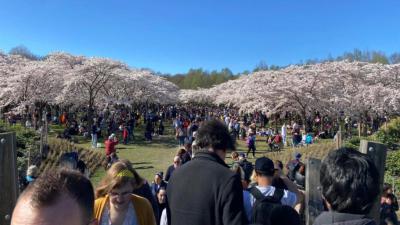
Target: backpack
{"points": [[264, 205]]}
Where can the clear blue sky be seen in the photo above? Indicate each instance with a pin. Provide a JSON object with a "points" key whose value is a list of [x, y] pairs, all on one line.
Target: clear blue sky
{"points": [[172, 36]]}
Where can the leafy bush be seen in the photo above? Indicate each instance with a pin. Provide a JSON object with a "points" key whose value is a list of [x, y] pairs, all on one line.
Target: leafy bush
{"points": [[390, 135], [392, 173], [27, 145], [393, 163], [353, 142]]}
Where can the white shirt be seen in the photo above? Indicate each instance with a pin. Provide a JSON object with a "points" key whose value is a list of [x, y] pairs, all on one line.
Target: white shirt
{"points": [[164, 218], [283, 130], [130, 216]]}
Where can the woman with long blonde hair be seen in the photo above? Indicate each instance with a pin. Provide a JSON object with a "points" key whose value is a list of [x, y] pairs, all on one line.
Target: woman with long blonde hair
{"points": [[115, 204]]}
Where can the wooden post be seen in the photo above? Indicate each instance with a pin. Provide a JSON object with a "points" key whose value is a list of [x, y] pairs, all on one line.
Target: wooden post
{"points": [[313, 196], [8, 176], [339, 139], [377, 152], [359, 128]]}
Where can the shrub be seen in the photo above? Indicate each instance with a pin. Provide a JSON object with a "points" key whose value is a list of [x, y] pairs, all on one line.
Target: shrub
{"points": [[390, 134], [392, 173], [353, 142], [393, 163]]}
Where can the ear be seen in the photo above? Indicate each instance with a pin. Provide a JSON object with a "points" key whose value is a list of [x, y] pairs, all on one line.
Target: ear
{"points": [[326, 203]]}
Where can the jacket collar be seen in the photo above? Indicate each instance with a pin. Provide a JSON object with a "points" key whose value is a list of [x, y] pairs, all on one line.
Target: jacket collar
{"points": [[341, 217], [207, 155]]}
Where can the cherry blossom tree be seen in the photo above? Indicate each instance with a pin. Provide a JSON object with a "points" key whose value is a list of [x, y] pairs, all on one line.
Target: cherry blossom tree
{"points": [[332, 89], [83, 83]]}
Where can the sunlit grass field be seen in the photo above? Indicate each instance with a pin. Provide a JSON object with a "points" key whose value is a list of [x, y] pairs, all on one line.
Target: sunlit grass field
{"points": [[150, 158]]}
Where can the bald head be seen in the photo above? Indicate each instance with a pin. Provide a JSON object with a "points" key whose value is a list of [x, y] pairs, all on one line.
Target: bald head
{"points": [[56, 197]]}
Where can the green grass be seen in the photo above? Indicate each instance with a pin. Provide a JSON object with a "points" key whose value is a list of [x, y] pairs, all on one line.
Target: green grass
{"points": [[147, 158], [150, 158]]}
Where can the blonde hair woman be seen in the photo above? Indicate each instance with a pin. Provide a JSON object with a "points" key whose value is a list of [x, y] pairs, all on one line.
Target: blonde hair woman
{"points": [[115, 204]]}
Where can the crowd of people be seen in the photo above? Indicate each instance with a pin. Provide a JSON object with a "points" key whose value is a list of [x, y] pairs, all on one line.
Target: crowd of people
{"points": [[200, 188]]}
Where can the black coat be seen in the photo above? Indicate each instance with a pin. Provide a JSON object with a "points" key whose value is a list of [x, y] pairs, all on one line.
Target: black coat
{"points": [[169, 172], [145, 192], [155, 188], [334, 218], [205, 191]]}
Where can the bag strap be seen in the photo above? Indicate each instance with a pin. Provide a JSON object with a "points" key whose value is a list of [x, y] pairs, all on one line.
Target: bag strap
{"points": [[278, 194], [256, 193], [275, 198]]}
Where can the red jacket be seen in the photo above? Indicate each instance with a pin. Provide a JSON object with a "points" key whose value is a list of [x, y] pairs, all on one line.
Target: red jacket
{"points": [[110, 146], [125, 133]]}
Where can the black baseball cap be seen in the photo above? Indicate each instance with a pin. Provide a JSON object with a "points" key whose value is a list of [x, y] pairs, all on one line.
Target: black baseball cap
{"points": [[265, 166]]}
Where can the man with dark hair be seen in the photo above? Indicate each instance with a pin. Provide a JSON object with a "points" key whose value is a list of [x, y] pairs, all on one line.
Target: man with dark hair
{"points": [[204, 190], [265, 192], [56, 197], [350, 186]]}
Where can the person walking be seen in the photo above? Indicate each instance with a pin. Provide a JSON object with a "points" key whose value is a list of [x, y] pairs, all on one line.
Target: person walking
{"points": [[110, 144], [115, 203], [214, 194]]}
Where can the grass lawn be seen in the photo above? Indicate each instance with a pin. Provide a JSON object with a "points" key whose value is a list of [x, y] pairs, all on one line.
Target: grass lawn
{"points": [[150, 158]]}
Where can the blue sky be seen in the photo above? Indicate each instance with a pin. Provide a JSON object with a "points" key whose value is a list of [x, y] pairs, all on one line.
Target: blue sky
{"points": [[172, 36]]}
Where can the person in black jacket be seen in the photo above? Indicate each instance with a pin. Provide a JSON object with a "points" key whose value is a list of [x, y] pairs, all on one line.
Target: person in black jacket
{"points": [[171, 168], [204, 190], [350, 186], [158, 183]]}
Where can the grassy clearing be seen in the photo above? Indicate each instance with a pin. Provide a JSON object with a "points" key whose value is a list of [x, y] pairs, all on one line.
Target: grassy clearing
{"points": [[150, 158]]}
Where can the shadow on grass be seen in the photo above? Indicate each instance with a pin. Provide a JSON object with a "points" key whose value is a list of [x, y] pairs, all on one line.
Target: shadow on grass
{"points": [[141, 163], [143, 167]]}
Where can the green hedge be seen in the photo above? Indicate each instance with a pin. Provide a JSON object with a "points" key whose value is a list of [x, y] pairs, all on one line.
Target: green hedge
{"points": [[392, 174], [27, 140], [390, 134]]}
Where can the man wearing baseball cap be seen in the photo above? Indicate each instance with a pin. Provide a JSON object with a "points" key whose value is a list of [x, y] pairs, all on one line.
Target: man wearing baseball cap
{"points": [[263, 172]]}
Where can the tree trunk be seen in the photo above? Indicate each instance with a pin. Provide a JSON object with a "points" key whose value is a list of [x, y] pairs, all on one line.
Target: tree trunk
{"points": [[90, 113], [304, 119], [365, 124]]}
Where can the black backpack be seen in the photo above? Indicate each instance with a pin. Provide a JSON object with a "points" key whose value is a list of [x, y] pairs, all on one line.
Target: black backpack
{"points": [[264, 205]]}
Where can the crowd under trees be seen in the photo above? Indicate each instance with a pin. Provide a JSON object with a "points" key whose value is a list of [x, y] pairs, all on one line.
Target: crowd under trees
{"points": [[352, 88]]}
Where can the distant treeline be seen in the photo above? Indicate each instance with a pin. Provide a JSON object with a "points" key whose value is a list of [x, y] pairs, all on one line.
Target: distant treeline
{"points": [[200, 78]]}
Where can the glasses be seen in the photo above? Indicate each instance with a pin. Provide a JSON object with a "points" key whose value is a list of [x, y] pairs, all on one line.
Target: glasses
{"points": [[123, 194]]}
